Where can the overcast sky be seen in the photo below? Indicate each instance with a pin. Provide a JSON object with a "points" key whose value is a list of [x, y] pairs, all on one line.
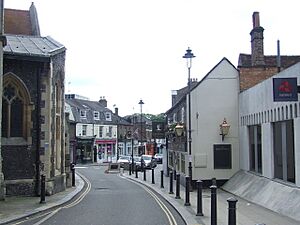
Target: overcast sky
{"points": [[127, 50]]}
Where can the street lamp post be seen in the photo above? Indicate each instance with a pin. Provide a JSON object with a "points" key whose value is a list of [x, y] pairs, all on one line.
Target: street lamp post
{"points": [[189, 56], [141, 103]]}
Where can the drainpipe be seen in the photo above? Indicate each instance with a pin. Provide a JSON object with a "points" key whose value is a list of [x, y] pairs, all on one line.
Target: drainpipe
{"points": [[38, 165], [2, 44]]}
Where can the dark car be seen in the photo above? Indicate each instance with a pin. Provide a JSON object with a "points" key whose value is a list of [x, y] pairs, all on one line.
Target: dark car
{"points": [[149, 161], [159, 158]]}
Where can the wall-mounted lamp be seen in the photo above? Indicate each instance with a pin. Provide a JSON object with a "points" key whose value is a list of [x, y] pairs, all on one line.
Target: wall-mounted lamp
{"points": [[179, 130], [224, 128]]}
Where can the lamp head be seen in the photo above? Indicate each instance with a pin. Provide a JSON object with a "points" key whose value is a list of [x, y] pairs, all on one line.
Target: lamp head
{"points": [[179, 130], [224, 128], [188, 54]]}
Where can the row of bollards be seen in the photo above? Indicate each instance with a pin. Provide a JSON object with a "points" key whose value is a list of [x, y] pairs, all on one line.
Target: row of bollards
{"points": [[175, 176]]}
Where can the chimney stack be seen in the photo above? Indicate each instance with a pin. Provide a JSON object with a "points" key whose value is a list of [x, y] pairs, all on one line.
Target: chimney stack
{"points": [[117, 111], [174, 95], [257, 42], [103, 101]]}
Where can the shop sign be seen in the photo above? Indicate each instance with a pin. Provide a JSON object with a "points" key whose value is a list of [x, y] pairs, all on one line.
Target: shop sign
{"points": [[285, 89], [158, 130]]}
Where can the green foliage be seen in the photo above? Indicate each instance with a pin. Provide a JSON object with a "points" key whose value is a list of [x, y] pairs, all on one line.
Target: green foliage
{"points": [[157, 118]]}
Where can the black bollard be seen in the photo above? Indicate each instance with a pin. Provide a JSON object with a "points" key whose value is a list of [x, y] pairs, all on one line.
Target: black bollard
{"points": [[145, 175], [136, 172], [213, 204], [199, 198], [73, 174], [43, 188], [153, 181], [129, 169], [171, 182], [187, 191], [214, 181], [161, 179], [177, 186], [232, 211], [175, 175]]}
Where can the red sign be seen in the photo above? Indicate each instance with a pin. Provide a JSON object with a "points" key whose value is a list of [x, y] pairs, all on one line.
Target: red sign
{"points": [[105, 141]]}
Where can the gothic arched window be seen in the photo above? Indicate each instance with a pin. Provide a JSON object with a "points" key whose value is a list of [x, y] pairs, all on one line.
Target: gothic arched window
{"points": [[14, 107]]}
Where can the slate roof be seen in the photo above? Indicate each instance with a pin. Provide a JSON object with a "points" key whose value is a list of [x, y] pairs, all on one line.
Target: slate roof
{"points": [[32, 46], [271, 60], [90, 107]]}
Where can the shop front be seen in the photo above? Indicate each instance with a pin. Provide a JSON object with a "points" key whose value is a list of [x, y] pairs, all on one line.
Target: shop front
{"points": [[106, 149]]}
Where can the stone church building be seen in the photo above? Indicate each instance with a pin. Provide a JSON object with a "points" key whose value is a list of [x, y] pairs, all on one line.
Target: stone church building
{"points": [[33, 117]]}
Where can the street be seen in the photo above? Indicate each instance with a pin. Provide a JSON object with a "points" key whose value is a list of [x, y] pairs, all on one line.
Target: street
{"points": [[111, 200]]}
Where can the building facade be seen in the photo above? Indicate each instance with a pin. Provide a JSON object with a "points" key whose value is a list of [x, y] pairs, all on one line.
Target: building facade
{"points": [[211, 157], [33, 118], [269, 132], [98, 134]]}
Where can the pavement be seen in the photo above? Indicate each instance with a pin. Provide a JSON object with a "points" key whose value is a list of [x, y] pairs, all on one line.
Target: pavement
{"points": [[247, 213]]}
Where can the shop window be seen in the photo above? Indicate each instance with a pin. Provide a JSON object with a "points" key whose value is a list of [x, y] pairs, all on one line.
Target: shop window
{"points": [[284, 153], [255, 149], [84, 130]]}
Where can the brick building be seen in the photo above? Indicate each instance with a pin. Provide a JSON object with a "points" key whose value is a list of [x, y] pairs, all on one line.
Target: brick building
{"points": [[257, 67]]}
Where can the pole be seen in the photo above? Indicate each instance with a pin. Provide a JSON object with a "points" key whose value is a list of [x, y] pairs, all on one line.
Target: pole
{"points": [[213, 204], [189, 130], [199, 198], [136, 172], [132, 159], [177, 186], [153, 181], [187, 191], [144, 174], [232, 211], [171, 182], [2, 44], [161, 179], [73, 174], [43, 188]]}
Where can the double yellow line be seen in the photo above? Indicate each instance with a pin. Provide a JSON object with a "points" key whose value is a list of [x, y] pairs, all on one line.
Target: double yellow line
{"points": [[161, 204], [71, 204]]}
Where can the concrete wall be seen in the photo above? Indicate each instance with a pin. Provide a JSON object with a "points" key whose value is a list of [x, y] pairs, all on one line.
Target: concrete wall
{"points": [[215, 98], [258, 108]]}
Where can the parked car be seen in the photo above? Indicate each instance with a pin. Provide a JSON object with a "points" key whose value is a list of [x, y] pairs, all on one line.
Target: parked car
{"points": [[124, 161], [137, 162], [149, 161], [159, 157]]}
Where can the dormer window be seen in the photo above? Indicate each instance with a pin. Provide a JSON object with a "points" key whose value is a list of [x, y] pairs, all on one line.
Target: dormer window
{"points": [[82, 114], [108, 116], [96, 115]]}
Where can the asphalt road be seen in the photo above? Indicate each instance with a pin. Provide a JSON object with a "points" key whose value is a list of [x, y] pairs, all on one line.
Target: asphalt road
{"points": [[112, 200]]}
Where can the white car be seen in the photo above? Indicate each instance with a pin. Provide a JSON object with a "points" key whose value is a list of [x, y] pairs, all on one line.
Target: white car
{"points": [[124, 160]]}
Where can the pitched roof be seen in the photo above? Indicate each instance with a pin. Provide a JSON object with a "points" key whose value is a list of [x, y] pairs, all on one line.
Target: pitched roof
{"points": [[270, 61], [90, 107], [32, 46], [21, 21], [184, 91]]}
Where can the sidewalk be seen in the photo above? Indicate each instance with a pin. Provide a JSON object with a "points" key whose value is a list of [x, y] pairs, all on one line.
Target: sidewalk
{"points": [[247, 212], [15, 208]]}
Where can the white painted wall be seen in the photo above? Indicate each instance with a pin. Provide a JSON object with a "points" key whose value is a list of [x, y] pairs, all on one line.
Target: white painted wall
{"points": [[214, 99]]}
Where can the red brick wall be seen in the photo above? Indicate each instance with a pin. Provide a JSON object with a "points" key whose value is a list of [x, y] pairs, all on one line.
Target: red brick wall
{"points": [[254, 75]]}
